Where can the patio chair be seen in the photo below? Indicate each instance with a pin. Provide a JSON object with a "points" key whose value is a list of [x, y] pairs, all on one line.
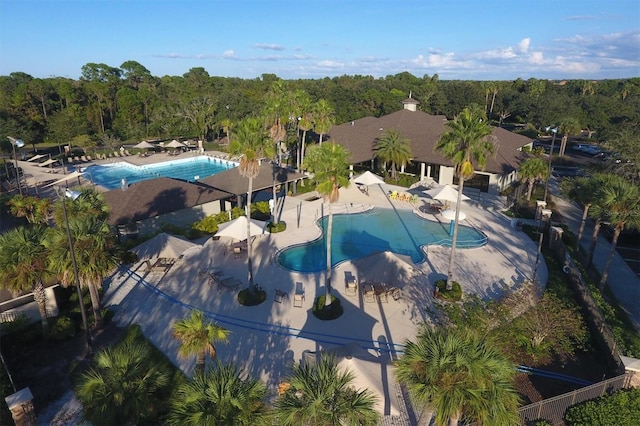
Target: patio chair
{"points": [[237, 252], [351, 284], [394, 292], [281, 295], [298, 297], [369, 293]]}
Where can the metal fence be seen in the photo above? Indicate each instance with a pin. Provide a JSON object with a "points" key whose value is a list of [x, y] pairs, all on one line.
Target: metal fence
{"points": [[553, 409]]}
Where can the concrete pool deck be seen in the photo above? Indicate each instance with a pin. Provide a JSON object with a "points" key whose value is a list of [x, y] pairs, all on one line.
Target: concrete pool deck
{"points": [[267, 338]]}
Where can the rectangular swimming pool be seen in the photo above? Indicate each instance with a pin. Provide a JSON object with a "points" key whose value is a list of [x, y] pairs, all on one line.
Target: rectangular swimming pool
{"points": [[113, 175]]}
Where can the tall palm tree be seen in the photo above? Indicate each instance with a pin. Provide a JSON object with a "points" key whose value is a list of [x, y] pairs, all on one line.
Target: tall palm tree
{"points": [[622, 201], [457, 375], [394, 148], [329, 164], [305, 119], [221, 396], [323, 118], [323, 395], [583, 190], [599, 210], [274, 111], [531, 171], [23, 265], [570, 126], [94, 249], [468, 140], [197, 337], [252, 143], [122, 386]]}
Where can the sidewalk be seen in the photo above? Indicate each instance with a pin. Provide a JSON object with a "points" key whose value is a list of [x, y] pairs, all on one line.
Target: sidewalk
{"points": [[623, 282]]}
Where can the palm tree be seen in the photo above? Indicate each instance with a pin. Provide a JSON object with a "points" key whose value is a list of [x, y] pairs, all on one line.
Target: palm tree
{"points": [[569, 127], [274, 112], [468, 140], [583, 190], [197, 337], [252, 143], [323, 118], [94, 249], [532, 170], [221, 396], [305, 119], [323, 395], [455, 374], [392, 147], [622, 201], [329, 164], [34, 209], [599, 210], [122, 386], [23, 265]]}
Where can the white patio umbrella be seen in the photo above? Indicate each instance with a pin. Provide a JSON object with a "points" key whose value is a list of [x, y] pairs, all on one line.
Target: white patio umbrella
{"points": [[36, 157], [144, 145], [450, 214], [237, 228], [368, 178], [174, 144], [163, 245], [445, 193], [68, 177]]}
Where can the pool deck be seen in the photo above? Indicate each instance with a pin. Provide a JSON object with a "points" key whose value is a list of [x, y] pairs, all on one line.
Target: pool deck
{"points": [[267, 338]]}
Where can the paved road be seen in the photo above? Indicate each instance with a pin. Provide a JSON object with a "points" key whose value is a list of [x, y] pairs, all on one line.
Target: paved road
{"points": [[622, 280]]}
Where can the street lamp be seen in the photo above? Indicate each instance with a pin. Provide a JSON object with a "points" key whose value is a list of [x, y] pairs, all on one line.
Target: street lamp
{"points": [[74, 195], [16, 143], [553, 141]]}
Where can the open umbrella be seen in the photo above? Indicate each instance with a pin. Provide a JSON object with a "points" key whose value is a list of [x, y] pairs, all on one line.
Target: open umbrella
{"points": [[237, 228], [145, 145], [174, 144], [445, 193], [451, 215], [163, 245], [368, 178], [68, 177]]}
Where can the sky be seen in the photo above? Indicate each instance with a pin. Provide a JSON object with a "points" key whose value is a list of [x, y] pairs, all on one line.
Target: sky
{"points": [[313, 39]]}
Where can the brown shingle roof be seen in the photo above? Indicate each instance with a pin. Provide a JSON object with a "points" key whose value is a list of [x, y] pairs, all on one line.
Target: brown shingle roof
{"points": [[423, 130], [156, 197], [232, 182]]}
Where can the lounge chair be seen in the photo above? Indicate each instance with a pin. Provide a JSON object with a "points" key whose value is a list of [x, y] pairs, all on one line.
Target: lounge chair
{"points": [[351, 284], [127, 152], [298, 297], [394, 195], [394, 292], [281, 295], [369, 293]]}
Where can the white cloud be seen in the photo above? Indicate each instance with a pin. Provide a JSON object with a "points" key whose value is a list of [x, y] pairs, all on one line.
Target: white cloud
{"points": [[524, 44], [229, 54], [268, 46], [536, 58]]}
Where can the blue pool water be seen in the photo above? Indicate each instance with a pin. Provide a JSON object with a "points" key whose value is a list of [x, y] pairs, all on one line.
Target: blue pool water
{"points": [[190, 169], [358, 235]]}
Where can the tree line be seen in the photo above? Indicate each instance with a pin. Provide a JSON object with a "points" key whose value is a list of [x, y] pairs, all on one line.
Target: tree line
{"points": [[107, 104]]}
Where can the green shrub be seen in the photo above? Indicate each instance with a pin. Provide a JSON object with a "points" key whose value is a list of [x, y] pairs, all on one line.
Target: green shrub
{"points": [[620, 409], [452, 295], [209, 224], [274, 228], [324, 313], [246, 298], [62, 328], [21, 321], [260, 209]]}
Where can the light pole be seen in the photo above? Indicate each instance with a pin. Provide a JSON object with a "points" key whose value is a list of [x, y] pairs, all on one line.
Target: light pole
{"points": [[73, 195], [16, 143], [553, 141]]}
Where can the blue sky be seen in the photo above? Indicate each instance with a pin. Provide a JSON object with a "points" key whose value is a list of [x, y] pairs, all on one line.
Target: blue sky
{"points": [[456, 39]]}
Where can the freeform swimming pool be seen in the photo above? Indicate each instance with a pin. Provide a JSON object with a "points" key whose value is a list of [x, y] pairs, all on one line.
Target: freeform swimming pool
{"points": [[190, 169], [358, 235]]}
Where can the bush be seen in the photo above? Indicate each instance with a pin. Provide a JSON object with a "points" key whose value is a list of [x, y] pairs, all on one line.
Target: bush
{"points": [[620, 409], [453, 295], [21, 321], [274, 228], [62, 328], [327, 313], [246, 298]]}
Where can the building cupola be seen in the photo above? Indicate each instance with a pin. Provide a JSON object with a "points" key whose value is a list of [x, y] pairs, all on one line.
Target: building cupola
{"points": [[410, 104]]}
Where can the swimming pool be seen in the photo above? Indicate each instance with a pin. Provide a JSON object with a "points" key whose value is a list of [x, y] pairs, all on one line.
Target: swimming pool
{"points": [[358, 235], [190, 169]]}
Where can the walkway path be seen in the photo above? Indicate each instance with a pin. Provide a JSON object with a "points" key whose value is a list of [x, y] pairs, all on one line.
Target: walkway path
{"points": [[623, 282]]}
